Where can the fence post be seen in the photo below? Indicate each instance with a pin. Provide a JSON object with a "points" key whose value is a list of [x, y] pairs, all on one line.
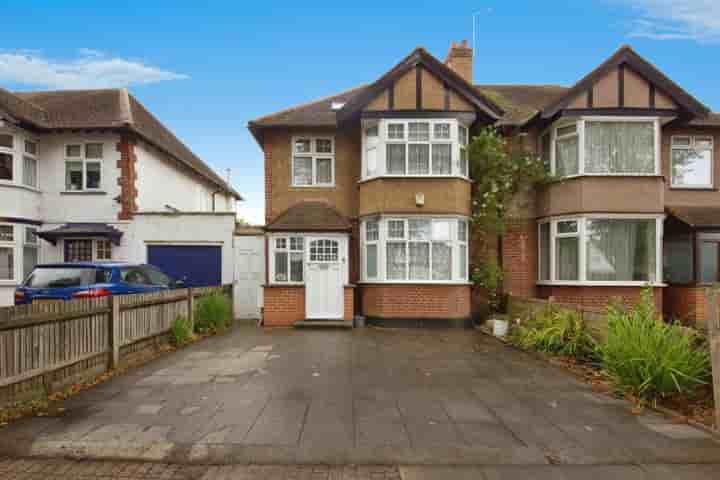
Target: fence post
{"points": [[191, 309], [114, 331], [713, 324]]}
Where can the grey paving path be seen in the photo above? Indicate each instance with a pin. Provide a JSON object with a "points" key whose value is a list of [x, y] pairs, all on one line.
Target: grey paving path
{"points": [[408, 397]]}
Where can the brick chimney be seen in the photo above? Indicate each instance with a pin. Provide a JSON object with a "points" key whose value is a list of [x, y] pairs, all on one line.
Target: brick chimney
{"points": [[460, 59]]}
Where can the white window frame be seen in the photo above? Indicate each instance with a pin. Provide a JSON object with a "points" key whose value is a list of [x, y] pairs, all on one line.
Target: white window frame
{"points": [[691, 146], [366, 243], [384, 238], [13, 155], [11, 244], [94, 241], [35, 156], [315, 156], [582, 249], [384, 139], [580, 122], [82, 159], [30, 244], [273, 249]]}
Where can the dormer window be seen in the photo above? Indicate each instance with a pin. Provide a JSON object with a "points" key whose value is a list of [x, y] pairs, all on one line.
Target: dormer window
{"points": [[313, 162], [415, 148]]}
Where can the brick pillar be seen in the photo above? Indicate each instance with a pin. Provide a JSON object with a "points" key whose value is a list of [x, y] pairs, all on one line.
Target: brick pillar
{"points": [[128, 176], [267, 150], [519, 257]]}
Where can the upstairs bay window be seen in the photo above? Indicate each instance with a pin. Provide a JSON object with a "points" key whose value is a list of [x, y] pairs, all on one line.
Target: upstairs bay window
{"points": [[415, 148], [30, 164], [18, 160], [691, 162], [7, 160], [597, 249], [313, 161], [603, 146]]}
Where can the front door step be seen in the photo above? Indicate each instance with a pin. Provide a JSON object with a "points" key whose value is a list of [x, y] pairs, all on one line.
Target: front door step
{"points": [[315, 323]]}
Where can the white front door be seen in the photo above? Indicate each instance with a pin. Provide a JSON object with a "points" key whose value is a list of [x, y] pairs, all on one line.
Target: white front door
{"points": [[325, 279]]}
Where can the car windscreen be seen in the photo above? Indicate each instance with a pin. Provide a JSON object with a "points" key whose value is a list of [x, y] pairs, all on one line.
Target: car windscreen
{"points": [[63, 277]]}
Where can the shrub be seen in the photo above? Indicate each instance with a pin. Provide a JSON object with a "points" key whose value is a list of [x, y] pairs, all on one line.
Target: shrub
{"points": [[556, 332], [213, 313], [650, 359], [181, 330]]}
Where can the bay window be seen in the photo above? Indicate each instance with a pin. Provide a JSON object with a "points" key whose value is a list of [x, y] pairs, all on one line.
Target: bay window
{"points": [[30, 164], [415, 249], [691, 162], [313, 161], [415, 148], [603, 249], [7, 252], [603, 146], [7, 159], [30, 251]]}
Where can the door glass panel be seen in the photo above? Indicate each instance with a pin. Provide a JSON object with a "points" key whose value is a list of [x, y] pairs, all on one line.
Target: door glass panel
{"points": [[324, 251]]}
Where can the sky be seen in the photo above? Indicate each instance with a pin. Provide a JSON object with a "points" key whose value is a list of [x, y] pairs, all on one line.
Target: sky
{"points": [[207, 68]]}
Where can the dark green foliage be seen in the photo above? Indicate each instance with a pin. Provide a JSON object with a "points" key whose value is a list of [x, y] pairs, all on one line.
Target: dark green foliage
{"points": [[181, 330], [213, 313]]}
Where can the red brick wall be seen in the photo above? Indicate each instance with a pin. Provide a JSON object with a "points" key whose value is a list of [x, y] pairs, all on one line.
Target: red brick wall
{"points": [[519, 258], [685, 303], [597, 298], [127, 178], [416, 301], [349, 310], [283, 305]]}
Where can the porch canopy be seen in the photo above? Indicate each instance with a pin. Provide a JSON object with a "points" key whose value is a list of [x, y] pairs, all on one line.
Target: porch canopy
{"points": [[82, 230], [310, 216], [696, 217]]}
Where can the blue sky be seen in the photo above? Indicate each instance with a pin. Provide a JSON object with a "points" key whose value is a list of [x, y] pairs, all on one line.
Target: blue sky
{"points": [[206, 68]]}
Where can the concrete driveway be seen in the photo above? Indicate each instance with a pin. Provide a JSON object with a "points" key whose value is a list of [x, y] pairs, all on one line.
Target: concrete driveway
{"points": [[366, 396]]}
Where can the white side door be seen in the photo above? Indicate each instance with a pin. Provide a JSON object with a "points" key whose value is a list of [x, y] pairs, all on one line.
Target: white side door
{"points": [[249, 275], [325, 278]]}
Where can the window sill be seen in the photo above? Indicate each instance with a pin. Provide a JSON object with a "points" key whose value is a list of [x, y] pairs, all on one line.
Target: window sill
{"points": [[418, 177], [8, 283], [599, 284], [310, 187], [694, 189], [415, 282], [5, 183], [556, 179], [283, 284], [83, 192]]}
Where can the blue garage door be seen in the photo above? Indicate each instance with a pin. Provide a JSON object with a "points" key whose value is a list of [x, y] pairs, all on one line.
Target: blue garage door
{"points": [[198, 266]]}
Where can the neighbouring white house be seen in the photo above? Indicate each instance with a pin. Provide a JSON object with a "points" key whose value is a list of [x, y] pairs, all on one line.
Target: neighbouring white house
{"points": [[93, 175]]}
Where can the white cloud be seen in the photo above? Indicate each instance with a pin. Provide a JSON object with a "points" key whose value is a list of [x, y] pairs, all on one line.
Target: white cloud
{"points": [[697, 20], [92, 69], [254, 215]]}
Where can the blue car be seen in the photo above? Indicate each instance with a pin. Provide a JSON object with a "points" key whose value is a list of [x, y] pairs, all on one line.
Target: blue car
{"points": [[65, 281]]}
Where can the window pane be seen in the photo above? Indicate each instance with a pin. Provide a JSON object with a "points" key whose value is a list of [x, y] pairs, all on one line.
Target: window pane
{"points": [[323, 145], [463, 262], [30, 147], [281, 243], [396, 131], [442, 131], [30, 171], [371, 230], [6, 166], [441, 162], [6, 141], [93, 150], [372, 261], [441, 261], [419, 229], [418, 159], [419, 131], [296, 266], [103, 249], [324, 171], [6, 233], [691, 167], [462, 135], [73, 175], [7, 263], [302, 145], [566, 156], [703, 142], [544, 246], [281, 266], [567, 261], [78, 250], [93, 174], [396, 261], [441, 229], [462, 231], [708, 262], [302, 171], [30, 254], [371, 132], [567, 130], [681, 141], [546, 148], [621, 250], [678, 259], [30, 235], [567, 226], [463, 162], [297, 243], [419, 261], [396, 229], [396, 158], [371, 158], [324, 251], [73, 150], [619, 147]]}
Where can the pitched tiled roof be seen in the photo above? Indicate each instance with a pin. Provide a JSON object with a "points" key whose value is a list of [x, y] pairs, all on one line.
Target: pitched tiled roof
{"points": [[696, 216], [521, 102], [313, 216], [104, 108]]}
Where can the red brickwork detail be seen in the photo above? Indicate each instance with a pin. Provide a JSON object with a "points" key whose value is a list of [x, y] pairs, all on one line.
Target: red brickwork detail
{"points": [[416, 301], [687, 304], [349, 308], [283, 306], [597, 298], [267, 150], [128, 177], [519, 258]]}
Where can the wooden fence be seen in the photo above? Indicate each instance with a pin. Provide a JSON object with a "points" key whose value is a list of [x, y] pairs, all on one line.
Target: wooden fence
{"points": [[48, 345]]}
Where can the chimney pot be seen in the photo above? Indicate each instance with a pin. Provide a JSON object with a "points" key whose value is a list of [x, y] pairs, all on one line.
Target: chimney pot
{"points": [[460, 59]]}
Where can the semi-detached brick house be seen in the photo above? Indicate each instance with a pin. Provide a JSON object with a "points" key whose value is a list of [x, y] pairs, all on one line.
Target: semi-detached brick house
{"points": [[368, 196]]}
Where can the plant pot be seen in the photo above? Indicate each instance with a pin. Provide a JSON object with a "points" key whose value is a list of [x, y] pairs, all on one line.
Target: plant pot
{"points": [[500, 326]]}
